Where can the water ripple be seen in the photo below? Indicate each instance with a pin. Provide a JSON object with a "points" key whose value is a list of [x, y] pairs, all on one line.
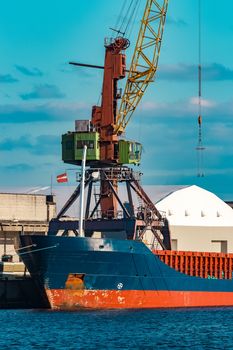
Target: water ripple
{"points": [[140, 329]]}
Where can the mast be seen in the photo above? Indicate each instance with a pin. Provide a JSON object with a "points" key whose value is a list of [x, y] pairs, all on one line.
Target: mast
{"points": [[82, 188]]}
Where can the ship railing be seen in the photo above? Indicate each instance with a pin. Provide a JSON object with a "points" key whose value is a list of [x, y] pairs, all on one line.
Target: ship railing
{"points": [[121, 174], [143, 213], [119, 214], [109, 214]]}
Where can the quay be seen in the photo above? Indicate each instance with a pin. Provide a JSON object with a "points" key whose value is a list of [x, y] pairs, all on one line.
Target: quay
{"points": [[21, 213]]}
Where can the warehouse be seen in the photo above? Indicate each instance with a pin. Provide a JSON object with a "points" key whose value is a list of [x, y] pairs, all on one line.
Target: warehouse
{"points": [[198, 220]]}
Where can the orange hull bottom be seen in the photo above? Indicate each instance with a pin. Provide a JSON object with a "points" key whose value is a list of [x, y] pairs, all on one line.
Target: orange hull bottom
{"points": [[134, 299]]}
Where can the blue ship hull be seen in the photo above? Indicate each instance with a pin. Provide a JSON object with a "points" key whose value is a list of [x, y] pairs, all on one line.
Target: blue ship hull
{"points": [[108, 273]]}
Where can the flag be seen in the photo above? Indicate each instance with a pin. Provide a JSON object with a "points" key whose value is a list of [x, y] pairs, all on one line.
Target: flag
{"points": [[62, 178]]}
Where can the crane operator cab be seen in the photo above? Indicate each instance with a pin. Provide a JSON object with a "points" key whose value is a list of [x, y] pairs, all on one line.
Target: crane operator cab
{"points": [[128, 152]]}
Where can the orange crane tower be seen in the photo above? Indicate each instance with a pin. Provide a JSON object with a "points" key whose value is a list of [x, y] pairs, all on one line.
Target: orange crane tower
{"points": [[107, 152]]}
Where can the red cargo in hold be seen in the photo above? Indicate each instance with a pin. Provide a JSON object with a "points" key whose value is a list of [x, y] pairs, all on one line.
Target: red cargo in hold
{"points": [[199, 264]]}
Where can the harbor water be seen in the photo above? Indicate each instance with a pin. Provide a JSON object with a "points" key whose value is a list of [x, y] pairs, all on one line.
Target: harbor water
{"points": [[142, 329]]}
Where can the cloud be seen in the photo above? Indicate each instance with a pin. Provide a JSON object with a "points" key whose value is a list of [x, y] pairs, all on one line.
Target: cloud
{"points": [[204, 102], [34, 113], [183, 109], [152, 111], [176, 21], [185, 72], [34, 72], [45, 91], [221, 132], [18, 167], [7, 78], [41, 145], [217, 71], [10, 144], [169, 134]]}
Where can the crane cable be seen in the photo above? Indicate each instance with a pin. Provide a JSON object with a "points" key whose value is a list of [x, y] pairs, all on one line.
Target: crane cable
{"points": [[134, 17], [121, 14], [131, 17], [128, 16], [199, 148]]}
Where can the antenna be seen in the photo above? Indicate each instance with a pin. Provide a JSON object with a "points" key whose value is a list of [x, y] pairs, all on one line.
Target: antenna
{"points": [[199, 148]]}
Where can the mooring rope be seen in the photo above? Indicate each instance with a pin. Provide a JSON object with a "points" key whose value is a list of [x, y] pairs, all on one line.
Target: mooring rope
{"points": [[38, 250]]}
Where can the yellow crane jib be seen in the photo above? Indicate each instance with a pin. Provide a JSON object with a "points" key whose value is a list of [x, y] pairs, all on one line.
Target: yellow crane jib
{"points": [[144, 62]]}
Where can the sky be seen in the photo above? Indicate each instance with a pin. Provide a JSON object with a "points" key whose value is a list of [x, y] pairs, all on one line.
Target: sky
{"points": [[41, 94]]}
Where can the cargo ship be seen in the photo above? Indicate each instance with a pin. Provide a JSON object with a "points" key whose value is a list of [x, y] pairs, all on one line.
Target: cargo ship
{"points": [[107, 263], [96, 273]]}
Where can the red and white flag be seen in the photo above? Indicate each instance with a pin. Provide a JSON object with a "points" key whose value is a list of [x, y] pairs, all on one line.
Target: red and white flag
{"points": [[62, 178]]}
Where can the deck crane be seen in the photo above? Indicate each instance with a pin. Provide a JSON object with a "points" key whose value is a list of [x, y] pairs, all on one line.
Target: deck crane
{"points": [[108, 154]]}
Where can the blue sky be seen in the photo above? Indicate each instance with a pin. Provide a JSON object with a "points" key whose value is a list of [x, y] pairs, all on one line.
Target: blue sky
{"points": [[41, 95]]}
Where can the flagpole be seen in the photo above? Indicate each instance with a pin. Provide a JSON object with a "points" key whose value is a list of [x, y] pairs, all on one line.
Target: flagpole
{"points": [[81, 205]]}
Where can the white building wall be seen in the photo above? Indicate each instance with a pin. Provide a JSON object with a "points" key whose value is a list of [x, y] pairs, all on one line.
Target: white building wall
{"points": [[202, 239], [22, 212], [23, 207]]}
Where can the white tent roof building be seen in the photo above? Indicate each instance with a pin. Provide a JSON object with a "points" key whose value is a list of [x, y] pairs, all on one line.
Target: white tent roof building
{"points": [[198, 220], [194, 206]]}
